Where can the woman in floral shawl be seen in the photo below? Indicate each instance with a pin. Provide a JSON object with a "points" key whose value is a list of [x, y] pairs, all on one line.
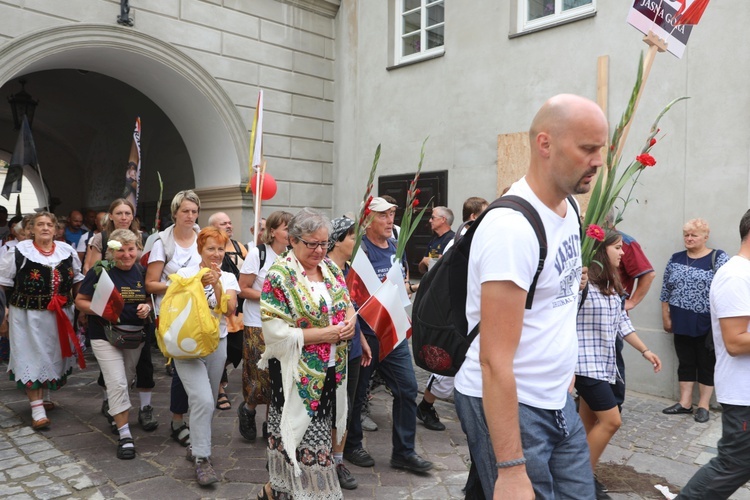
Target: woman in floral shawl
{"points": [[307, 324]]}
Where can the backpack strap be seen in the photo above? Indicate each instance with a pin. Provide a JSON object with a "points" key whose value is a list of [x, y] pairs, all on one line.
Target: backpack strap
{"points": [[262, 254], [713, 261]]}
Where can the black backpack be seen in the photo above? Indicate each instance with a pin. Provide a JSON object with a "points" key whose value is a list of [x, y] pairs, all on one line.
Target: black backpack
{"points": [[439, 327]]}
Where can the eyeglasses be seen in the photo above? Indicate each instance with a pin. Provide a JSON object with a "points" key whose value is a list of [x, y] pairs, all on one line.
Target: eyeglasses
{"points": [[312, 245], [436, 217]]}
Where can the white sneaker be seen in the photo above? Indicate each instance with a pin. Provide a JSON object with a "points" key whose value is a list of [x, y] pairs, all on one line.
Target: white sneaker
{"points": [[368, 424]]}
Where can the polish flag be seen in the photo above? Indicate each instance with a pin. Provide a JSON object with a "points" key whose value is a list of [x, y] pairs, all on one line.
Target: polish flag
{"points": [[147, 248], [362, 280], [386, 316], [107, 301], [691, 15]]}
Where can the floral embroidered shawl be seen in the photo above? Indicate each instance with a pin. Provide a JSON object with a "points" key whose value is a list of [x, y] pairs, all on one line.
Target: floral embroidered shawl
{"points": [[286, 307]]}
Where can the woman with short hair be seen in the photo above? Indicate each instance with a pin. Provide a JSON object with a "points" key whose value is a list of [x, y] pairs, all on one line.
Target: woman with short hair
{"points": [[118, 366], [686, 313], [308, 321]]}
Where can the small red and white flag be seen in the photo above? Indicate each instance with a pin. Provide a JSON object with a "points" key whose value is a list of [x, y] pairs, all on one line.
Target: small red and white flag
{"points": [[107, 301], [387, 317], [362, 280]]}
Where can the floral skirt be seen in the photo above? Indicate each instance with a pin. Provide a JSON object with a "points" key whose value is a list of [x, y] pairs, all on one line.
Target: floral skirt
{"points": [[256, 386], [318, 480]]}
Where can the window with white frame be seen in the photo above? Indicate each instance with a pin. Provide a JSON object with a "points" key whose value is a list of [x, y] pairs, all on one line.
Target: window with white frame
{"points": [[535, 14], [420, 29]]}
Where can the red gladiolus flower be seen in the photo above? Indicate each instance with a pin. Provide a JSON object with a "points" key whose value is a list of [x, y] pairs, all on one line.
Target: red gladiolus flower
{"points": [[416, 193], [652, 142], [596, 232], [646, 160], [415, 202]]}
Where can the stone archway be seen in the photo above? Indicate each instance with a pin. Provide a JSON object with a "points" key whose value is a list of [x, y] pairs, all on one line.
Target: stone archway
{"points": [[202, 112]]}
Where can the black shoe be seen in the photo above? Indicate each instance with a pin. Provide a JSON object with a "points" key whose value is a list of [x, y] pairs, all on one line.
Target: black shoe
{"points": [[701, 415], [360, 458], [146, 418], [247, 422], [676, 409], [601, 491], [430, 418], [346, 480], [413, 463]]}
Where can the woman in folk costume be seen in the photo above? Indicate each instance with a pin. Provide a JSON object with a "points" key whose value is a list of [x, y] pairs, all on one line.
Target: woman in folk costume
{"points": [[45, 275], [307, 324]]}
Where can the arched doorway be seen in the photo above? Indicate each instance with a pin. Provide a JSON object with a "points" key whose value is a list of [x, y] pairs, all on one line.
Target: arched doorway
{"points": [[207, 122]]}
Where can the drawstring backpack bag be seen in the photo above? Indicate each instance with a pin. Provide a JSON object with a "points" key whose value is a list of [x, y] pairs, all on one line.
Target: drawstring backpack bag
{"points": [[187, 327]]}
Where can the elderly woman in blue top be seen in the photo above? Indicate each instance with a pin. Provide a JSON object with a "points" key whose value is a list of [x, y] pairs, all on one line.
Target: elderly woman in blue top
{"points": [[686, 313], [601, 319]]}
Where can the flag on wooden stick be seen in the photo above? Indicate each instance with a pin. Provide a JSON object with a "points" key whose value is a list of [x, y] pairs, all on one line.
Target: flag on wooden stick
{"points": [[107, 302], [24, 154], [386, 316]]}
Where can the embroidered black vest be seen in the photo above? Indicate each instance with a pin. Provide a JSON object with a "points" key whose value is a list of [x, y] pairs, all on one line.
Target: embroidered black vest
{"points": [[35, 283]]}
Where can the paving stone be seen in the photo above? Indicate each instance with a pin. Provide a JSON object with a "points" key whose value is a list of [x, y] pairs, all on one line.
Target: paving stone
{"points": [[11, 490], [42, 456], [34, 447], [39, 481], [33, 438], [81, 482], [24, 431], [21, 496], [68, 471], [23, 471], [9, 453], [52, 491], [12, 462]]}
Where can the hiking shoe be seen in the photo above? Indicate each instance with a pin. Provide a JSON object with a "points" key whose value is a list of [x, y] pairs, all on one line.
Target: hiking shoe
{"points": [[146, 418], [346, 480], [204, 472], [413, 463], [368, 424], [248, 430], [360, 458], [430, 418]]}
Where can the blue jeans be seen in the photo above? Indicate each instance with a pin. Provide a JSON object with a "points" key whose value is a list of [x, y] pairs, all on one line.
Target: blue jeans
{"points": [[554, 445], [730, 469], [398, 372]]}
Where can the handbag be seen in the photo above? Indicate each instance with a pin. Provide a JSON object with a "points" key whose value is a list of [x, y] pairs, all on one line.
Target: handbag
{"points": [[123, 337]]}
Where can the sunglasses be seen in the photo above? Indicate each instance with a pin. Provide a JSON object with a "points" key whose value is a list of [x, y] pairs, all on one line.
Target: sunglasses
{"points": [[317, 244]]}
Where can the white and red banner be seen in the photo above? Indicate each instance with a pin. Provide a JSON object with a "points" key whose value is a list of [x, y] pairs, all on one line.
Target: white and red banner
{"points": [[386, 316], [107, 301], [362, 281], [147, 248]]}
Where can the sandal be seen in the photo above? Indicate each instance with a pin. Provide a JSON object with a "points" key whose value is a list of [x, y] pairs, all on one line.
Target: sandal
{"points": [[125, 453], [223, 403], [48, 405], [182, 434], [263, 495]]}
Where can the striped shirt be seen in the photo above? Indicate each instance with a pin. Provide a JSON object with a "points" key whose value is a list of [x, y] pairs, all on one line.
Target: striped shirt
{"points": [[600, 320]]}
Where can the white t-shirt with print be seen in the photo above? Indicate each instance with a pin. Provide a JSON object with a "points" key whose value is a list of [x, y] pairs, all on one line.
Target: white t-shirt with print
{"points": [[730, 297], [505, 248], [228, 282], [251, 308]]}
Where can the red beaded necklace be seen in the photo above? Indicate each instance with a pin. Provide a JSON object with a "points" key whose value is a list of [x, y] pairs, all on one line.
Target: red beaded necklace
{"points": [[46, 253]]}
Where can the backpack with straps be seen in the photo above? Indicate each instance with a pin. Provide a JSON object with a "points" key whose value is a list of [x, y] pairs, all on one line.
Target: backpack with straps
{"points": [[440, 336]]}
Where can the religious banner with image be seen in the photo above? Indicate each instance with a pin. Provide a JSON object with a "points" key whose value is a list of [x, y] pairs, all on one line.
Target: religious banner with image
{"points": [[133, 171]]}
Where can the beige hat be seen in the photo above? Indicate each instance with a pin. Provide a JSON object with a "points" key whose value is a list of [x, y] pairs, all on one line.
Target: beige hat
{"points": [[380, 205]]}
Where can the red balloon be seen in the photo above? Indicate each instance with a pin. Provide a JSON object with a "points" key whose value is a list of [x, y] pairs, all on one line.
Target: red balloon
{"points": [[269, 186]]}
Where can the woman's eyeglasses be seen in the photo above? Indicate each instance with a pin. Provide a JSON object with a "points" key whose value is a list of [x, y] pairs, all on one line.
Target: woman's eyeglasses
{"points": [[313, 245]]}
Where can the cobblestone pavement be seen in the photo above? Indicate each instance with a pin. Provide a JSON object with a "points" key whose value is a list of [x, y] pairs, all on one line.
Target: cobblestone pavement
{"points": [[75, 457]]}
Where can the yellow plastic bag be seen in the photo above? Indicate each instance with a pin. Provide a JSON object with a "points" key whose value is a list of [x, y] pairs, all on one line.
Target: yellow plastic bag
{"points": [[187, 328]]}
